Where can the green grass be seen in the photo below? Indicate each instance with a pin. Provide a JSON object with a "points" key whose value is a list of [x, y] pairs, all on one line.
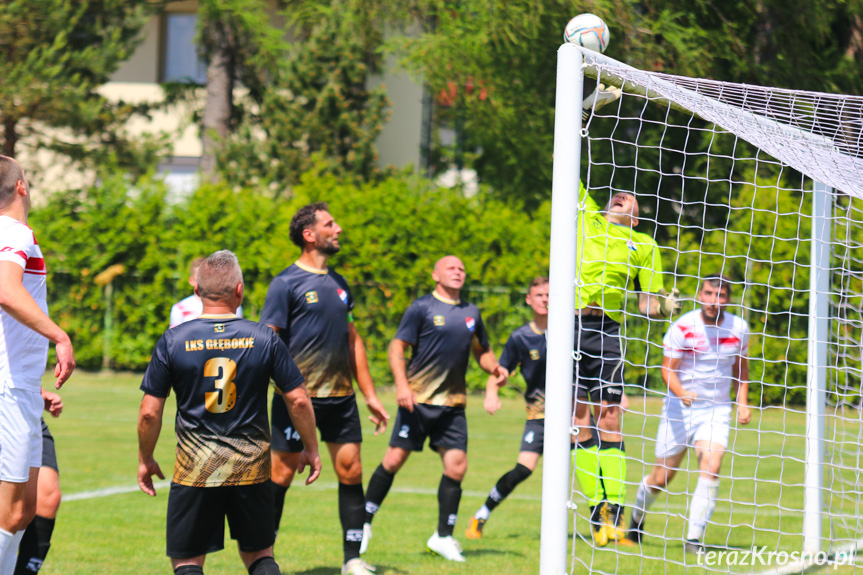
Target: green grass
{"points": [[124, 533]]}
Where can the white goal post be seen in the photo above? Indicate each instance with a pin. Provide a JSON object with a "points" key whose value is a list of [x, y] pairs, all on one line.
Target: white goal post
{"points": [[795, 157]]}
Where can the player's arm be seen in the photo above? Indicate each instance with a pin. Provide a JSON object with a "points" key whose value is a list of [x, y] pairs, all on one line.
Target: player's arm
{"points": [[149, 427], [660, 305], [396, 353], [303, 417], [489, 364], [53, 402], [670, 366], [492, 399], [18, 303], [740, 373], [360, 369]]}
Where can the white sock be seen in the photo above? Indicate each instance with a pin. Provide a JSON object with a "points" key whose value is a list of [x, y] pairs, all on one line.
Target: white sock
{"points": [[5, 540], [10, 554], [483, 513], [643, 499], [701, 508]]}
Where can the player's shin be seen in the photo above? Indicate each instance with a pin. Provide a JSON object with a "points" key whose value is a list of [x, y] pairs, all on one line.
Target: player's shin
{"points": [[506, 485], [701, 508], [379, 486], [612, 464], [644, 499], [448, 497], [34, 546], [351, 503]]}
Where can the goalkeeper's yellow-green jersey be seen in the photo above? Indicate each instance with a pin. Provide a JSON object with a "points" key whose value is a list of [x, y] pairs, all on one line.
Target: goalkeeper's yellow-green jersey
{"points": [[610, 258]]}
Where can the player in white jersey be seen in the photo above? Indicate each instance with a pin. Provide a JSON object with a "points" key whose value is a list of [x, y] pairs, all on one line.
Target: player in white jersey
{"points": [[704, 354], [191, 307], [25, 330]]}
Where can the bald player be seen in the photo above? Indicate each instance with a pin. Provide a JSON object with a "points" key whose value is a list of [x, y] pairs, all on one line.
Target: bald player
{"points": [[443, 331], [612, 258]]}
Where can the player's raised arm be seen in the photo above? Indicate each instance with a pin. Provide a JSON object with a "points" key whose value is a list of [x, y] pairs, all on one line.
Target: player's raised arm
{"points": [[360, 370], [149, 427]]}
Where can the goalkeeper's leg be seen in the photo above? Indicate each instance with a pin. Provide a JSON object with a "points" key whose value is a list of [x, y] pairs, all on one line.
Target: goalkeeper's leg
{"points": [[612, 465]]}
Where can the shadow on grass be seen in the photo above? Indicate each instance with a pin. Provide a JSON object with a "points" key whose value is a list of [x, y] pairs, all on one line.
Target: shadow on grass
{"points": [[481, 552], [380, 570]]}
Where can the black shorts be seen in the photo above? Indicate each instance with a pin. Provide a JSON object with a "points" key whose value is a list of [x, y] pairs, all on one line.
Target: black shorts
{"points": [[196, 518], [444, 426], [337, 417], [534, 433], [49, 455], [598, 369]]}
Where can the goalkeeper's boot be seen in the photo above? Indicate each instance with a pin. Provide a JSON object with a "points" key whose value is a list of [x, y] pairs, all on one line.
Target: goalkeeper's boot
{"points": [[636, 528], [613, 520], [474, 528], [597, 525]]}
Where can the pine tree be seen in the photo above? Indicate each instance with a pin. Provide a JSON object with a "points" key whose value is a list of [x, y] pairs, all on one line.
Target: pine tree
{"points": [[54, 55]]}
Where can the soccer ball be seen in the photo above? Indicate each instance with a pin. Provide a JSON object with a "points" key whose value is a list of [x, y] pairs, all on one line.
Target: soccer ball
{"points": [[588, 31]]}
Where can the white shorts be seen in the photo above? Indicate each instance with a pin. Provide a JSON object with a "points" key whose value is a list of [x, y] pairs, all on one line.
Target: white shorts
{"points": [[681, 427], [20, 432]]}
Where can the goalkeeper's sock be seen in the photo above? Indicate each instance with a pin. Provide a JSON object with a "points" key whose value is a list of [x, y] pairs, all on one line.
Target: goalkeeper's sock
{"points": [[643, 499], [701, 508], [612, 465], [505, 486], [587, 470], [379, 486]]}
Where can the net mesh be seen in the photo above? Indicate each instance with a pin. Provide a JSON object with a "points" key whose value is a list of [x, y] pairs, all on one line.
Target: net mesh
{"points": [[724, 178]]}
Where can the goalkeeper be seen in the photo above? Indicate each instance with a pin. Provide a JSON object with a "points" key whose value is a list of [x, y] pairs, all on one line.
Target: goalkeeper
{"points": [[611, 256]]}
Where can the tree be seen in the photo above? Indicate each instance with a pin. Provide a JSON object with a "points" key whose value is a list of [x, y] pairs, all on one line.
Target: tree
{"points": [[507, 52], [54, 55]]}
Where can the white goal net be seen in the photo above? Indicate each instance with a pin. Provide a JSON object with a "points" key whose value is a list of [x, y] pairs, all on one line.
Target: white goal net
{"points": [[764, 186]]}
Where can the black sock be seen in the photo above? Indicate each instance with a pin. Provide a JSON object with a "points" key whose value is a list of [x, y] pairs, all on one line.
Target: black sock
{"points": [[379, 486], [279, 502], [189, 570], [351, 502], [506, 484], [265, 566], [448, 498], [34, 545]]}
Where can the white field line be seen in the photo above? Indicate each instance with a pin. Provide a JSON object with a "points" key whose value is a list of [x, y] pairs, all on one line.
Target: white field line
{"points": [[161, 485]]}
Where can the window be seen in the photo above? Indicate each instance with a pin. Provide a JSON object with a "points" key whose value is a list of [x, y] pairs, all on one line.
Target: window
{"points": [[180, 61]]}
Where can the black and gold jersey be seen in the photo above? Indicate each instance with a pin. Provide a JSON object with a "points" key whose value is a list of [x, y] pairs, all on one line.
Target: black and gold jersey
{"points": [[219, 367], [526, 349], [442, 333], [312, 309]]}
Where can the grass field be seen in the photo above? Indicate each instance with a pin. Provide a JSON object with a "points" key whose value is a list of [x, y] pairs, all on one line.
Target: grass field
{"points": [[106, 525]]}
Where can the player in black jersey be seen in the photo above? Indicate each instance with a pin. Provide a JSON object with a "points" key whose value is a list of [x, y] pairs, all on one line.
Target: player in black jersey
{"points": [[443, 331], [219, 367], [525, 348], [310, 307]]}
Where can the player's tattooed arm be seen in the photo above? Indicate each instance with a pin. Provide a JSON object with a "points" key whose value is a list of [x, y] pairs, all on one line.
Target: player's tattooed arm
{"points": [[405, 396], [360, 369], [149, 427]]}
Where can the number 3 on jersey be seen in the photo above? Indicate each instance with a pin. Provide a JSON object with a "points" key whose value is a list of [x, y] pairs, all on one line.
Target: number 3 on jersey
{"points": [[225, 396]]}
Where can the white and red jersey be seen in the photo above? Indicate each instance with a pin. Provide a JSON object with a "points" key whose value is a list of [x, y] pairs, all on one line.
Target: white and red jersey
{"points": [[23, 352], [190, 308], [708, 354], [186, 310]]}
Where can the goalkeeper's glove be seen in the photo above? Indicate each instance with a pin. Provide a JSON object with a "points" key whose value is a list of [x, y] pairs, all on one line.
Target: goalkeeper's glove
{"points": [[601, 96], [669, 303]]}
